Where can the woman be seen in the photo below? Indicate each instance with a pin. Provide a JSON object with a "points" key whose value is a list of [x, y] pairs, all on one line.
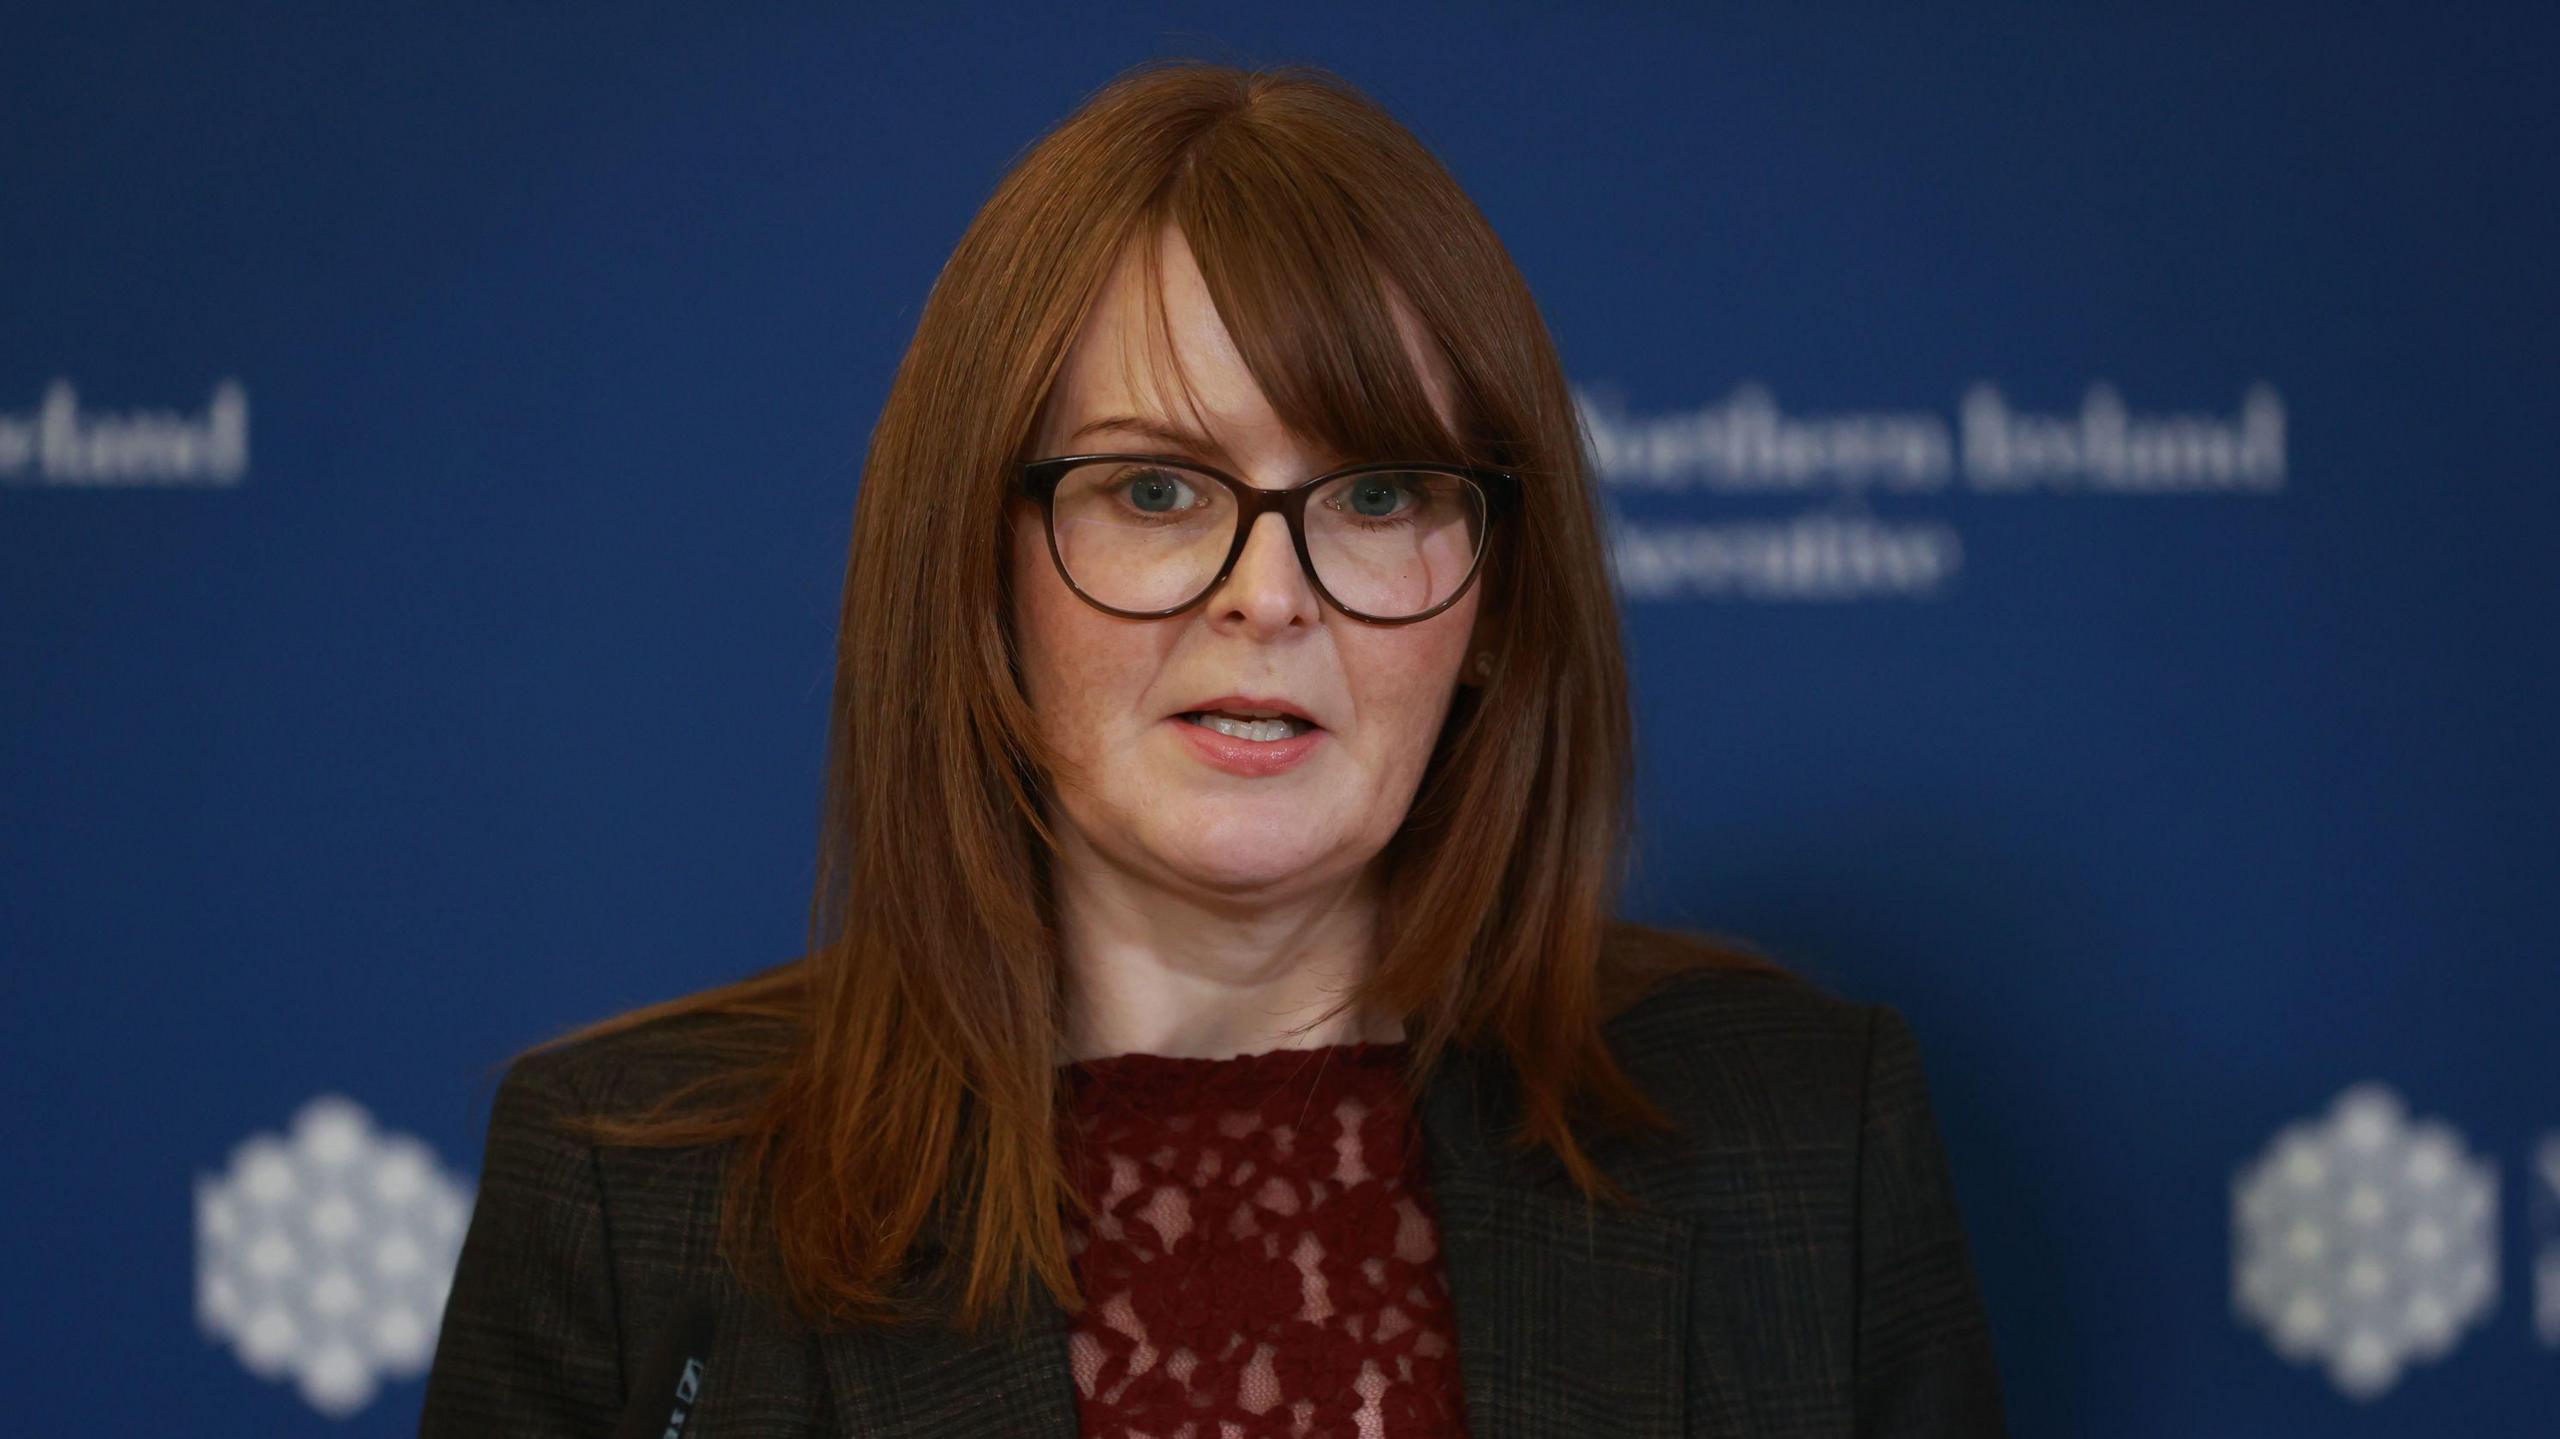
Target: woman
{"points": [[1212, 1023]]}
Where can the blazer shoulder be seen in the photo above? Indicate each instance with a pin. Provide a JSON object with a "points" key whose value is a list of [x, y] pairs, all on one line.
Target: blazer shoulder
{"points": [[1666, 986], [665, 1198], [1787, 1090], [1724, 1036], [626, 1070], [577, 1253]]}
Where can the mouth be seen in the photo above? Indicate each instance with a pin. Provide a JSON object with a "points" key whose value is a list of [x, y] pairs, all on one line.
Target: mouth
{"points": [[1265, 728], [1255, 719], [1253, 742]]}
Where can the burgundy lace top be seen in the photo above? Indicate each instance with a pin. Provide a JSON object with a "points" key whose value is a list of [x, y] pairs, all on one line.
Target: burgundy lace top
{"points": [[1263, 1260]]}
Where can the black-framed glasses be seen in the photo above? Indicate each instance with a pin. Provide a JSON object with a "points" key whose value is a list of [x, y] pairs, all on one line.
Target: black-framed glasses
{"points": [[1144, 536]]}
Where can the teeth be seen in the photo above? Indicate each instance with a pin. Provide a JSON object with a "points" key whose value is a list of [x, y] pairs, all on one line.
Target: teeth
{"points": [[1256, 729]]}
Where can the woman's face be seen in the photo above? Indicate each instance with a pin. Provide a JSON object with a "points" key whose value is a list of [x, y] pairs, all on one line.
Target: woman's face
{"points": [[1137, 790]]}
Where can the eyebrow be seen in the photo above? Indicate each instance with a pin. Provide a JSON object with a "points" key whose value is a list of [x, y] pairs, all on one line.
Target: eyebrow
{"points": [[1161, 431]]}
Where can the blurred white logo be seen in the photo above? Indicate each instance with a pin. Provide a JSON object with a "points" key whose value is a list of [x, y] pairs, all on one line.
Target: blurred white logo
{"points": [[325, 1255], [58, 443], [2365, 1240], [1834, 544]]}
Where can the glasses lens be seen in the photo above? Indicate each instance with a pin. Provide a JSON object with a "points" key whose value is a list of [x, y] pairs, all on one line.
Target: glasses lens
{"points": [[1142, 535], [1392, 543]]}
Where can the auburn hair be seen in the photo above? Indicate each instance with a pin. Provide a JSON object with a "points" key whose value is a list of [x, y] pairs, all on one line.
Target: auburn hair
{"points": [[906, 1062]]}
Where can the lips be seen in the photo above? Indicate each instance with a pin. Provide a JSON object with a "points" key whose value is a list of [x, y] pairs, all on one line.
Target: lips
{"points": [[1246, 756]]}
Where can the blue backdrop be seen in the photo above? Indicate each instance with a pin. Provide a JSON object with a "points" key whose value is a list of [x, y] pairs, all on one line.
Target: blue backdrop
{"points": [[2084, 495]]}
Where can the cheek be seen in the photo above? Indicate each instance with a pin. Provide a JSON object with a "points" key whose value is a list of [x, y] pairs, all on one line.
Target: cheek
{"points": [[1077, 663], [1405, 678]]}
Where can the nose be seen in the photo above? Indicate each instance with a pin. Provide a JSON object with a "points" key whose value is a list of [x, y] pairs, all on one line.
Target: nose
{"points": [[1268, 590]]}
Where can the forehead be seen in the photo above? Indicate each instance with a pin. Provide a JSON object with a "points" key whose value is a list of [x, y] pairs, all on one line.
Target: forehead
{"points": [[1156, 346]]}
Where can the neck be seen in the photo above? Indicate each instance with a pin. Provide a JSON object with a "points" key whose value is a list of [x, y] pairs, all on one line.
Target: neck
{"points": [[1158, 971]]}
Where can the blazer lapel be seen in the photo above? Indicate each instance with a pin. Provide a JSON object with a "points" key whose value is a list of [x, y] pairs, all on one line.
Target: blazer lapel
{"points": [[933, 1382], [930, 1380], [1572, 1320]]}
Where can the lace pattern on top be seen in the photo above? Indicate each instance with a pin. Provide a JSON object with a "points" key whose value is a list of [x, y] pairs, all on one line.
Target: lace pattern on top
{"points": [[1263, 1258]]}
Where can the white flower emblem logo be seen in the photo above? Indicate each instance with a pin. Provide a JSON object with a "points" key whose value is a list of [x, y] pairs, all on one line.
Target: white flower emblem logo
{"points": [[2365, 1240], [325, 1255]]}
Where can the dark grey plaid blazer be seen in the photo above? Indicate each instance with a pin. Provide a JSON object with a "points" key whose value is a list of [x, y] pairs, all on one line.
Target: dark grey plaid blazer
{"points": [[1797, 1268]]}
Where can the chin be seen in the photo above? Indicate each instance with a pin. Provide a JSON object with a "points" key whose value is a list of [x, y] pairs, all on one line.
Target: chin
{"points": [[1249, 852]]}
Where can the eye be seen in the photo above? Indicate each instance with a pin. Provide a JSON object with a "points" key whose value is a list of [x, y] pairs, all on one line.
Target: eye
{"points": [[1152, 491], [1375, 497], [1389, 499]]}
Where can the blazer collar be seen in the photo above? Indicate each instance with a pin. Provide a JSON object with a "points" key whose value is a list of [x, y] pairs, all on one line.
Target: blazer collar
{"points": [[1572, 1320]]}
